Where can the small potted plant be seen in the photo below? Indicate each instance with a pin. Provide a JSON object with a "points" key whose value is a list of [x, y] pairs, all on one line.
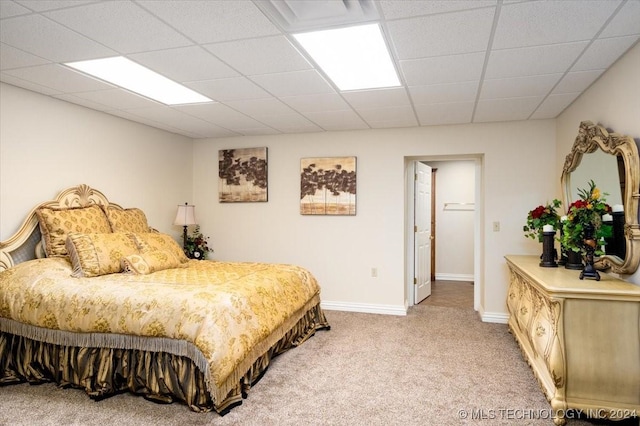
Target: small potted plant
{"points": [[540, 216], [196, 246]]}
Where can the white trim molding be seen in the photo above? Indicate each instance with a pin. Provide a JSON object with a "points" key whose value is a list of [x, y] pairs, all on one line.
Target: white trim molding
{"points": [[364, 308]]}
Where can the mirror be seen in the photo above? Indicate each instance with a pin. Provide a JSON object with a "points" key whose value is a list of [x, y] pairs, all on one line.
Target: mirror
{"points": [[611, 161]]}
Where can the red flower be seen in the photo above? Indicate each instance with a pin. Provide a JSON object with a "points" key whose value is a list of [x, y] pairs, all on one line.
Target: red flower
{"points": [[538, 212]]}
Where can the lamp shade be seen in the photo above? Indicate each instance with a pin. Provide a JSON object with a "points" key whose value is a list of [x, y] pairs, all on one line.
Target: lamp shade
{"points": [[186, 215]]}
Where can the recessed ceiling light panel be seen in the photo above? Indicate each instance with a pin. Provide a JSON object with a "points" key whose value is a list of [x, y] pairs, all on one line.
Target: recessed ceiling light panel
{"points": [[138, 79], [354, 58]]}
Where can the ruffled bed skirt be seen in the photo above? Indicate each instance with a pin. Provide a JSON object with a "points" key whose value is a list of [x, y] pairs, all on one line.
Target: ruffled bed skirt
{"points": [[158, 376]]}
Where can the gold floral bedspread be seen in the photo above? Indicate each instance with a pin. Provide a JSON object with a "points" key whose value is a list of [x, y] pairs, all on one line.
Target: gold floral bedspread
{"points": [[224, 309]]}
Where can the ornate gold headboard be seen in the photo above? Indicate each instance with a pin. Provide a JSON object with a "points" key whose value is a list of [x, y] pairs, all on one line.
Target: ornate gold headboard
{"points": [[25, 244]]}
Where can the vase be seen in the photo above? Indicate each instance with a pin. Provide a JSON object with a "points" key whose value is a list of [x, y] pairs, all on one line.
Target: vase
{"points": [[573, 260], [589, 243]]}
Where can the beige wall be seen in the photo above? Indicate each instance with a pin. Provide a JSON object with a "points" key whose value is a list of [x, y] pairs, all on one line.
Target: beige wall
{"points": [[455, 183], [47, 145], [613, 101], [518, 174]]}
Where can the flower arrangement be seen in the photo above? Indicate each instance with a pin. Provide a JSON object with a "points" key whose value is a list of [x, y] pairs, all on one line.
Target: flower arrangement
{"points": [[196, 245], [585, 212], [540, 216]]}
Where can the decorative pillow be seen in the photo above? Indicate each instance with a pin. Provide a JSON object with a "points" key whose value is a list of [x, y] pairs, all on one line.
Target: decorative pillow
{"points": [[151, 261], [151, 241], [57, 223], [127, 220], [92, 255]]}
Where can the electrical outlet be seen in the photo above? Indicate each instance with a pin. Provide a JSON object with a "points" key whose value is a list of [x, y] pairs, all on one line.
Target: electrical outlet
{"points": [[496, 226], [374, 272]]}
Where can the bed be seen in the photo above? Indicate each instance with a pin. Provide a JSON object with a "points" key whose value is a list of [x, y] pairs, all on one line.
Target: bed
{"points": [[114, 306]]}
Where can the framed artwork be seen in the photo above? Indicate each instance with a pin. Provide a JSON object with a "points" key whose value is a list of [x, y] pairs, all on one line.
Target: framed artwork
{"points": [[242, 175], [328, 186]]}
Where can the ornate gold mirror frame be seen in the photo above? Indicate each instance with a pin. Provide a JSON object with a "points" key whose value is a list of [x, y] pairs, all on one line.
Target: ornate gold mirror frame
{"points": [[592, 137]]}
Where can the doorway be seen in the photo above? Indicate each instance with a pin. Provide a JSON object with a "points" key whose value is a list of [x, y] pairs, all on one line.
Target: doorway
{"points": [[458, 223]]}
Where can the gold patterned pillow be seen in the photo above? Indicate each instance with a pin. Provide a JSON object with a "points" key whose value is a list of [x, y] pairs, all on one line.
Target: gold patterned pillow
{"points": [[127, 220], [93, 255], [56, 223], [151, 241], [151, 261]]}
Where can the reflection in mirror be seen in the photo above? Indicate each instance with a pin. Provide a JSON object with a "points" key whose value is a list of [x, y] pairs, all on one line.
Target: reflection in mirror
{"points": [[596, 155], [602, 168]]}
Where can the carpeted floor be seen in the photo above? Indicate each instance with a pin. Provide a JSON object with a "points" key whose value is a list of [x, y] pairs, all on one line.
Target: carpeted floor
{"points": [[436, 366]]}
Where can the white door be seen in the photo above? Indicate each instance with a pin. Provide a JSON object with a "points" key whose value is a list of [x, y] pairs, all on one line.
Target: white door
{"points": [[422, 231]]}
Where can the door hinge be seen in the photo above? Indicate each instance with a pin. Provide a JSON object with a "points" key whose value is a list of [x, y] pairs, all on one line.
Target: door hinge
{"points": [[415, 176], [415, 280], [415, 228]]}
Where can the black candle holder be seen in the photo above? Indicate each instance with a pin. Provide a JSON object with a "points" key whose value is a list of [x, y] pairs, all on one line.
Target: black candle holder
{"points": [[548, 251], [610, 245], [619, 241], [589, 242]]}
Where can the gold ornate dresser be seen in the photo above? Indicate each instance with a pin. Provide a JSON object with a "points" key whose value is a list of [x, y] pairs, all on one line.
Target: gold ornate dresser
{"points": [[580, 337]]}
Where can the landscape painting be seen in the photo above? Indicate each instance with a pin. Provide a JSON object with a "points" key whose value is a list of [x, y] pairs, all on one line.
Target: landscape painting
{"points": [[242, 175], [328, 186]]}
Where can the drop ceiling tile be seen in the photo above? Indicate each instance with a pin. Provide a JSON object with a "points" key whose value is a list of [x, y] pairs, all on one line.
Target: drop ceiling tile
{"points": [[604, 52], [83, 102], [258, 131], [260, 107], [337, 120], [184, 64], [153, 123], [205, 129], [546, 22], [554, 105], [575, 82], [59, 78], [10, 57], [537, 85], [440, 93], [445, 113], [444, 69], [394, 9], [42, 37], [121, 26], [25, 84], [221, 115], [296, 83], [400, 116], [11, 8], [390, 123], [213, 21], [229, 89], [43, 6], [117, 99], [316, 103], [170, 116], [537, 60], [466, 32], [288, 123], [626, 21], [260, 56], [506, 109], [380, 98]]}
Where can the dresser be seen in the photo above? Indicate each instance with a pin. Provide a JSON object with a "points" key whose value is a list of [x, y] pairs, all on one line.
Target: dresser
{"points": [[580, 337]]}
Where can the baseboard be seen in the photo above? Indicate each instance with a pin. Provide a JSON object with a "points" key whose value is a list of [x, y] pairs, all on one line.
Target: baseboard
{"points": [[364, 308], [454, 277], [495, 317]]}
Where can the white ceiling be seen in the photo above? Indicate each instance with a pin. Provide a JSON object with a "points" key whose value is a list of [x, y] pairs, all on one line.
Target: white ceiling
{"points": [[459, 61]]}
